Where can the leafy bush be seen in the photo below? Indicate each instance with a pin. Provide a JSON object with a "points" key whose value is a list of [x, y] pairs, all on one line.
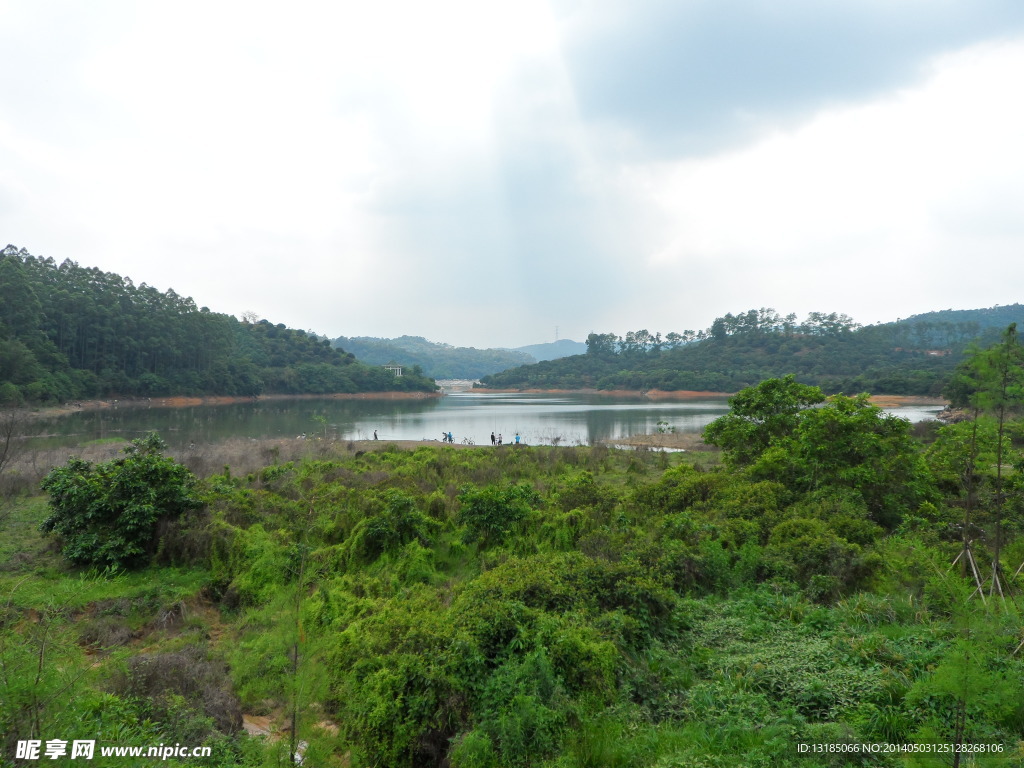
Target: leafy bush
{"points": [[397, 525], [107, 514], [807, 551], [491, 512]]}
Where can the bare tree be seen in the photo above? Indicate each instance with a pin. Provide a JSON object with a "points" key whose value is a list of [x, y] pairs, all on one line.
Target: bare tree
{"points": [[13, 429]]}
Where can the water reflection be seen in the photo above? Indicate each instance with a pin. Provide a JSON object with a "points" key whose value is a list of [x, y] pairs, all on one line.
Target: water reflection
{"points": [[539, 419]]}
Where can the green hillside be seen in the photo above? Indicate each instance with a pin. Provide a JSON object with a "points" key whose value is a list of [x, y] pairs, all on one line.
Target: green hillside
{"points": [[998, 316], [911, 357], [70, 332]]}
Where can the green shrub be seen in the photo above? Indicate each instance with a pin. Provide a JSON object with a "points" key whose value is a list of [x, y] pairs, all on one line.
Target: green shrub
{"points": [[580, 491], [474, 750], [107, 514], [808, 552], [398, 524], [525, 709], [490, 513]]}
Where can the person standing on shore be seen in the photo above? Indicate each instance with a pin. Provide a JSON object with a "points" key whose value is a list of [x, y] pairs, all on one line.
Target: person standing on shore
{"points": [[493, 440]]}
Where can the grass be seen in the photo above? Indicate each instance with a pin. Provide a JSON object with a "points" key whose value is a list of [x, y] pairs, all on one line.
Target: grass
{"points": [[20, 537], [106, 441], [33, 573]]}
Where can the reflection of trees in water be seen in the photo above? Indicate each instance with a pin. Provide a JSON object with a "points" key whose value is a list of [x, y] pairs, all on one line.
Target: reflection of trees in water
{"points": [[541, 420], [205, 423], [606, 423]]}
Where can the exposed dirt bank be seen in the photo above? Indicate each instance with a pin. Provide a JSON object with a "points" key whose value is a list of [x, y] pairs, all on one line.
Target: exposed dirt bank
{"points": [[895, 401], [882, 401], [188, 402], [648, 394]]}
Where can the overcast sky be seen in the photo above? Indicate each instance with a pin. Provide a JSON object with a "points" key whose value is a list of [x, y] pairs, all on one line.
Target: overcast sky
{"points": [[480, 173]]}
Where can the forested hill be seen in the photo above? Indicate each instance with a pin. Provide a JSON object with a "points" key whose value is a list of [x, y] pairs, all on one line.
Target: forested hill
{"points": [[989, 317], [70, 332], [441, 361], [912, 356]]}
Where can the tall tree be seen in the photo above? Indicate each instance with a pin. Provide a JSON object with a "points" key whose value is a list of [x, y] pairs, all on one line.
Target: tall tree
{"points": [[992, 381], [760, 416]]}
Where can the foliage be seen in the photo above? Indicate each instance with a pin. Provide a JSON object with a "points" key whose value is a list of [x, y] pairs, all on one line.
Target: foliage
{"points": [[760, 416], [552, 607], [398, 524], [846, 443], [829, 350], [991, 381], [963, 458], [70, 332], [492, 512], [107, 514]]}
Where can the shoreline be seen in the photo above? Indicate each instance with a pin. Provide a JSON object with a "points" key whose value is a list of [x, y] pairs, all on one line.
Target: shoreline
{"points": [[882, 401], [643, 394], [184, 401]]}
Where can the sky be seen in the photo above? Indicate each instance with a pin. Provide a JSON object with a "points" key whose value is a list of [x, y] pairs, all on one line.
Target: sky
{"points": [[499, 174]]}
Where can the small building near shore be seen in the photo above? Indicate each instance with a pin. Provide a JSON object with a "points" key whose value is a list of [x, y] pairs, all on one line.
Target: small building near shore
{"points": [[394, 368]]}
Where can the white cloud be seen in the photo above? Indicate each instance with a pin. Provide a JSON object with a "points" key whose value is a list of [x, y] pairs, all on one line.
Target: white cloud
{"points": [[456, 170], [858, 209]]}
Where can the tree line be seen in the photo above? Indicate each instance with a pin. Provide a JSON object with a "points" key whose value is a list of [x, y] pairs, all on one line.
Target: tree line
{"points": [[70, 332], [830, 350]]}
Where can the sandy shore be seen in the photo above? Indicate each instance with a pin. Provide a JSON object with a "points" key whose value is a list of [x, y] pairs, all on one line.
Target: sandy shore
{"points": [[682, 441]]}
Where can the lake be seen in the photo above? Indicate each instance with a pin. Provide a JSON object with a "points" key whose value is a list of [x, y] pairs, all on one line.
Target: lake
{"points": [[540, 419]]}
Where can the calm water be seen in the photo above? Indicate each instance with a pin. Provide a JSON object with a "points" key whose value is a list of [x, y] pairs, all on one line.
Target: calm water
{"points": [[546, 419]]}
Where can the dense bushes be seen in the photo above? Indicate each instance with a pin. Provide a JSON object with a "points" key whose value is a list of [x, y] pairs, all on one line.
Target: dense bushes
{"points": [[107, 514], [586, 607], [450, 616]]}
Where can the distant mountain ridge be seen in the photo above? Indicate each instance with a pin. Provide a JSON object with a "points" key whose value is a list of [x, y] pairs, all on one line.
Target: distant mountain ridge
{"points": [[444, 361], [553, 350]]}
